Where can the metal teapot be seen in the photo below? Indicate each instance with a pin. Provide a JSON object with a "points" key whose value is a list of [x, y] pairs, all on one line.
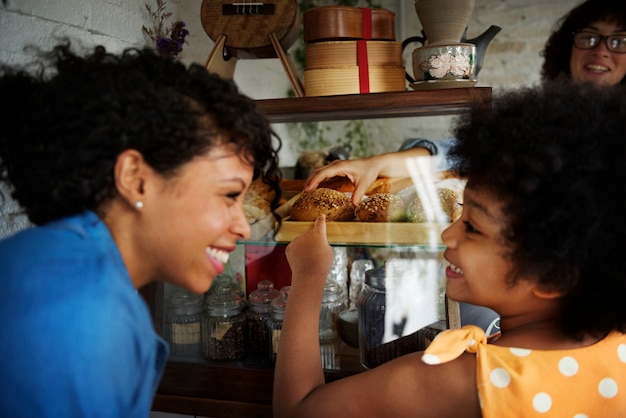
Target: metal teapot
{"points": [[481, 42]]}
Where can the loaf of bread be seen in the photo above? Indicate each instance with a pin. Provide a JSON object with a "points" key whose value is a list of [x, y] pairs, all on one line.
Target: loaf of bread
{"points": [[381, 207], [335, 205]]}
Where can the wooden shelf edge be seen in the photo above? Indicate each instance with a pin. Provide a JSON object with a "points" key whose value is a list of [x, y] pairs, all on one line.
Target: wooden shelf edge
{"points": [[373, 105], [209, 407]]}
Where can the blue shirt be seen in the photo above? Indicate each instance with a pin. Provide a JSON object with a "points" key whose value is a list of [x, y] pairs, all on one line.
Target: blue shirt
{"points": [[76, 339]]}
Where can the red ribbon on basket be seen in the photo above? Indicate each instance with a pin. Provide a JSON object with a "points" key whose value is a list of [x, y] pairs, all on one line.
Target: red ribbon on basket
{"points": [[361, 50]]}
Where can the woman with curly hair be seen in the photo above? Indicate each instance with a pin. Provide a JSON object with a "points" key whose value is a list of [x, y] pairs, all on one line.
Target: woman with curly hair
{"points": [[539, 241], [589, 45], [133, 169]]}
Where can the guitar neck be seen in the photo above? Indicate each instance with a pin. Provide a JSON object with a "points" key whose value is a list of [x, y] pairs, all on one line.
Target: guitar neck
{"points": [[247, 25]]}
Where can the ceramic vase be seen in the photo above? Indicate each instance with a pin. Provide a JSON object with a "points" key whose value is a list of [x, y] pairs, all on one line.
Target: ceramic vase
{"points": [[444, 21]]}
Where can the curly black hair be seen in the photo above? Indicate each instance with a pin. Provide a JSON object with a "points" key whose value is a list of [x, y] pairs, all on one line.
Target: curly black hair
{"points": [[558, 49], [555, 157], [64, 127]]}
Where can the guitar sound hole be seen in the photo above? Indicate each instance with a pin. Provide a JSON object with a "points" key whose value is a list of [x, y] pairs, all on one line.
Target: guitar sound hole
{"points": [[252, 9]]}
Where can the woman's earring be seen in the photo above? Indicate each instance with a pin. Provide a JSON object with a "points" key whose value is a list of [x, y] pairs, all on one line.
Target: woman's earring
{"points": [[139, 204]]}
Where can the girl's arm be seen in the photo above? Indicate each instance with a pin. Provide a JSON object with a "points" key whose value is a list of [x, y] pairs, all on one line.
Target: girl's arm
{"points": [[404, 387]]}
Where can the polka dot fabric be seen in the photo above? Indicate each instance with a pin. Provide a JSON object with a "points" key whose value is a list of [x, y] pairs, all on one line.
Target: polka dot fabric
{"points": [[587, 382]]}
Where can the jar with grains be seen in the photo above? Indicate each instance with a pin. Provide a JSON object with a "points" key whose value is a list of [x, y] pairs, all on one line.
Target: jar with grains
{"points": [[183, 323], [259, 303], [371, 306], [224, 326], [275, 322]]}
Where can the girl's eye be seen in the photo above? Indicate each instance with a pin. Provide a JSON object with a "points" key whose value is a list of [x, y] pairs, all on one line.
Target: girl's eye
{"points": [[469, 228]]}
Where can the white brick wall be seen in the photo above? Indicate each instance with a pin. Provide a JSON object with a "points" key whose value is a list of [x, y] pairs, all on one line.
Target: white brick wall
{"points": [[512, 58]]}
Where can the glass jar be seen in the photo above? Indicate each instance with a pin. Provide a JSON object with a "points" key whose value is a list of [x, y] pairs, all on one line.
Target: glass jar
{"points": [[275, 322], [373, 348], [224, 325], [259, 303], [357, 276], [332, 304], [183, 323], [339, 270]]}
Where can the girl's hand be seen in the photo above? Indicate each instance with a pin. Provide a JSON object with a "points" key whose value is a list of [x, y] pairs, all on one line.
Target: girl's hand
{"points": [[310, 255]]}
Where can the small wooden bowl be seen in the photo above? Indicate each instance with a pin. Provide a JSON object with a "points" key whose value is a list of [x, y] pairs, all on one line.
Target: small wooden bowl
{"points": [[341, 53], [329, 23], [345, 80]]}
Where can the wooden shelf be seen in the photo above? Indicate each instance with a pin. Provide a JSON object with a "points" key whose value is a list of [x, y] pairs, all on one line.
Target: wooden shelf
{"points": [[241, 389], [214, 389], [374, 105]]}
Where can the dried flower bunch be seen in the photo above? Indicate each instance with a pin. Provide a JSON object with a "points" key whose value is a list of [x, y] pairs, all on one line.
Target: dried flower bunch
{"points": [[168, 38]]}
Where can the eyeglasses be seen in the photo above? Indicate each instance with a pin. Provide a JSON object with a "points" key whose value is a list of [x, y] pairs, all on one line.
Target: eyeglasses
{"points": [[590, 40]]}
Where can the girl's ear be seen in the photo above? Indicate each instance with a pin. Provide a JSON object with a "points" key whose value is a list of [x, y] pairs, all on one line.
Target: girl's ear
{"points": [[546, 293], [130, 176]]}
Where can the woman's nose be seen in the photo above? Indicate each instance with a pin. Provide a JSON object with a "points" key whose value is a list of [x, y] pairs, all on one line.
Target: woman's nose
{"points": [[240, 225]]}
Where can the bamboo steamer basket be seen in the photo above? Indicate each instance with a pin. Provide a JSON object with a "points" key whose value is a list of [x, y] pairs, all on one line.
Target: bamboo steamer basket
{"points": [[344, 53], [343, 23], [345, 80]]}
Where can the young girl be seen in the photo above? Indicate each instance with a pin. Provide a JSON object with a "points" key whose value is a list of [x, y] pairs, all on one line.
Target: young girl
{"points": [[539, 241], [133, 169]]}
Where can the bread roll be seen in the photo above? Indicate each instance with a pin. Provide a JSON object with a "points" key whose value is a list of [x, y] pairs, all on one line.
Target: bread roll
{"points": [[259, 188], [381, 207], [449, 201], [335, 205], [257, 201]]}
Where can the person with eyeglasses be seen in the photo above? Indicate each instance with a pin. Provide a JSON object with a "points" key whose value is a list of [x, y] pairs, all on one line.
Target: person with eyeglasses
{"points": [[589, 45]]}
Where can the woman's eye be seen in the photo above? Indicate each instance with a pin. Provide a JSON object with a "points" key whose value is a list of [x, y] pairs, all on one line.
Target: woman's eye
{"points": [[233, 196]]}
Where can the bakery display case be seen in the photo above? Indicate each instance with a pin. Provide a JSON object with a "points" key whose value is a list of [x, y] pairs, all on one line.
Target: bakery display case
{"points": [[238, 387]]}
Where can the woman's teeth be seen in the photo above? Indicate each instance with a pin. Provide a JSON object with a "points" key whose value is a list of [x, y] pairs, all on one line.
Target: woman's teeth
{"points": [[219, 255], [597, 68]]}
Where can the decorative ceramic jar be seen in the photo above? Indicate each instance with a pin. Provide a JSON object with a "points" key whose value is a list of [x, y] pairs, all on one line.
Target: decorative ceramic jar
{"points": [[444, 62]]}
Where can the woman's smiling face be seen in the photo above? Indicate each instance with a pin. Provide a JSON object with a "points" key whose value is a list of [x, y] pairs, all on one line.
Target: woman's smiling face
{"points": [[195, 219], [599, 65]]}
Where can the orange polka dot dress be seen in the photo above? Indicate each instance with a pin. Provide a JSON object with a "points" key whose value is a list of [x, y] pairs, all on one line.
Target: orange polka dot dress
{"points": [[588, 382]]}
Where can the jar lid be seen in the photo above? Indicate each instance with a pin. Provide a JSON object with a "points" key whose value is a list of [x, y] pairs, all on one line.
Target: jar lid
{"points": [[264, 294], [332, 291], [224, 298], [279, 303], [181, 298], [376, 278]]}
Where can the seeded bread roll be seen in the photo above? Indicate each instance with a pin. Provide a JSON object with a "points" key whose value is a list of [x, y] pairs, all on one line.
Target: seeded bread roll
{"points": [[381, 207], [448, 199], [335, 205]]}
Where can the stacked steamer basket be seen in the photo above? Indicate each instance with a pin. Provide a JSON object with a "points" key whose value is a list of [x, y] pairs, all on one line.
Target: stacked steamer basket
{"points": [[351, 50]]}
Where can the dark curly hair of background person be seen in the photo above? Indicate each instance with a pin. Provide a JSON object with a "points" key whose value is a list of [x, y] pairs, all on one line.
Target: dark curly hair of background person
{"points": [[555, 157], [63, 128], [558, 48]]}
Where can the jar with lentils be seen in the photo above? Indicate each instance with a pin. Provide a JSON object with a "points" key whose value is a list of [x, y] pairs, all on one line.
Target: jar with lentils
{"points": [[224, 326]]}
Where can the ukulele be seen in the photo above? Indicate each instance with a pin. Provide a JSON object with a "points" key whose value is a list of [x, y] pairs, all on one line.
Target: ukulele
{"points": [[248, 27]]}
